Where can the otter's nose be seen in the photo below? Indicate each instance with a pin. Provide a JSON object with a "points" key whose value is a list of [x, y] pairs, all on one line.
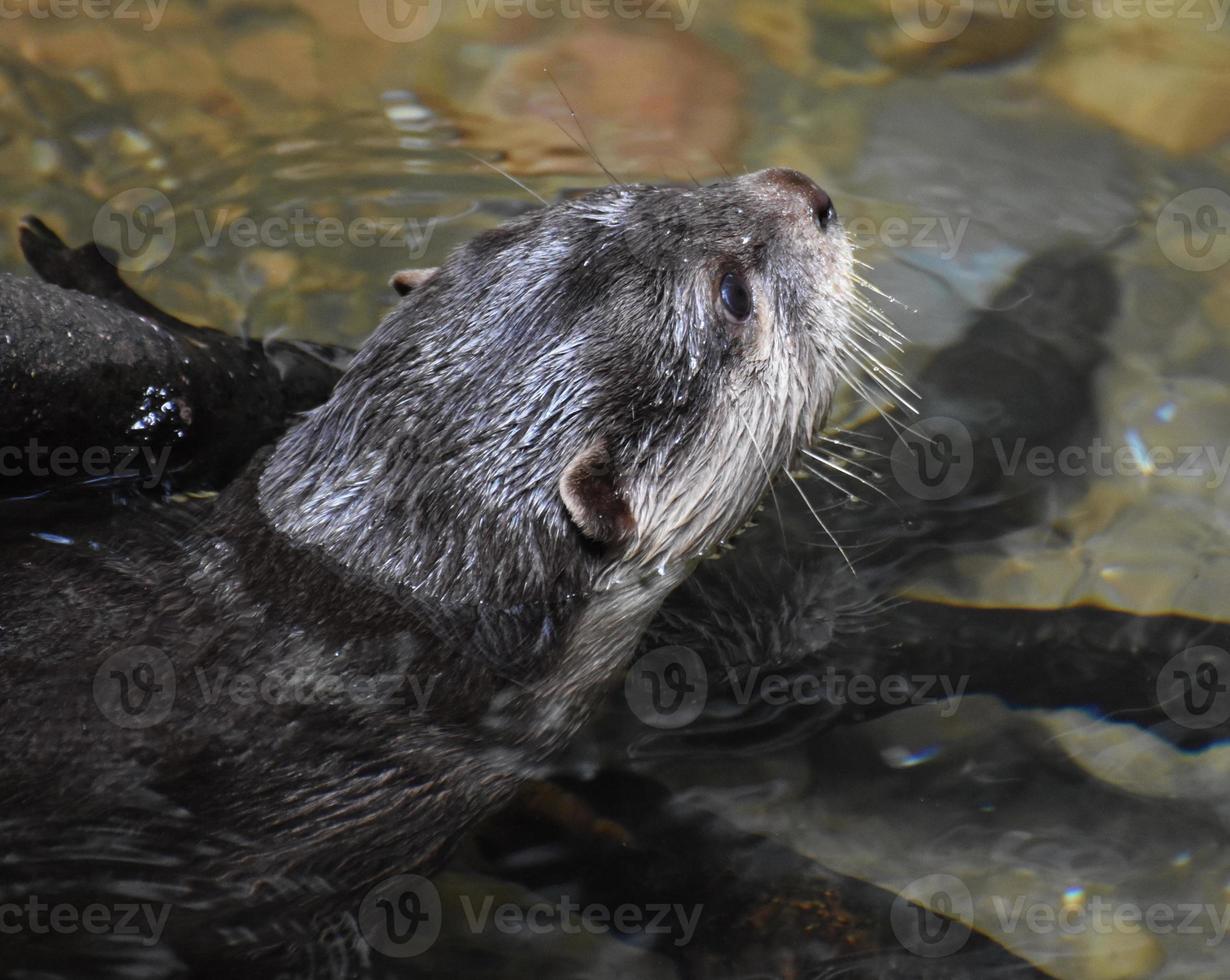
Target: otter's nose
{"points": [[818, 201]]}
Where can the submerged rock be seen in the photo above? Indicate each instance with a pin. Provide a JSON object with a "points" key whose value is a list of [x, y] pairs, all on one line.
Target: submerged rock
{"points": [[1163, 81], [958, 34], [651, 104]]}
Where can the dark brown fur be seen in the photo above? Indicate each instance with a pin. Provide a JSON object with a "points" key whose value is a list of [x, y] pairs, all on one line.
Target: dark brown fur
{"points": [[520, 464]]}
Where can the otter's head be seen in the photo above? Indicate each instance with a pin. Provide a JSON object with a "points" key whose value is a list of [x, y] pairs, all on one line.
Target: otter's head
{"points": [[594, 392]]}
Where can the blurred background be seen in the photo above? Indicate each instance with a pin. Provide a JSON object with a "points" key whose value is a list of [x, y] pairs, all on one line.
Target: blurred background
{"points": [[266, 166]]}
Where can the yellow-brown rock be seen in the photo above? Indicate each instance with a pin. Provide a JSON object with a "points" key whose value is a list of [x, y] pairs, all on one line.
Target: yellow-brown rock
{"points": [[988, 33], [1161, 81], [654, 104], [782, 30]]}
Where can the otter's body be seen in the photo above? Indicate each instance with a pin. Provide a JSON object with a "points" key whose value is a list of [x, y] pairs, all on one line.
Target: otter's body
{"points": [[259, 707], [200, 707]]}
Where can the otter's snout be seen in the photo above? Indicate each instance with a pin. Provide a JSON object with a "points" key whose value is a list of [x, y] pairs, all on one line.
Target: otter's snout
{"points": [[816, 198]]}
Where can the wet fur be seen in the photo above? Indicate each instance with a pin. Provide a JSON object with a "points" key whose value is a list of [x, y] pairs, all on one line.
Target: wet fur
{"points": [[413, 525], [456, 420]]}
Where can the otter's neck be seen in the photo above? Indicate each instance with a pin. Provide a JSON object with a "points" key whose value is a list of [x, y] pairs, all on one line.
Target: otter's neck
{"points": [[424, 490], [526, 675]]}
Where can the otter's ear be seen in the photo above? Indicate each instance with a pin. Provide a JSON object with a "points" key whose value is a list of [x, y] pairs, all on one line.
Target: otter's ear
{"points": [[408, 280], [592, 497]]}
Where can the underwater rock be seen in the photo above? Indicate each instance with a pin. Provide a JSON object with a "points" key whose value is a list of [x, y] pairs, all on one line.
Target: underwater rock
{"points": [[959, 35], [651, 104], [1163, 81]]}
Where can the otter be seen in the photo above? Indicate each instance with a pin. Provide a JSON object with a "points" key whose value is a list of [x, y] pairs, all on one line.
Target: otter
{"points": [[253, 708]]}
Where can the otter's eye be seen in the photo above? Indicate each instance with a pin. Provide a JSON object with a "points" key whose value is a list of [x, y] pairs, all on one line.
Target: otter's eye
{"points": [[736, 297]]}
